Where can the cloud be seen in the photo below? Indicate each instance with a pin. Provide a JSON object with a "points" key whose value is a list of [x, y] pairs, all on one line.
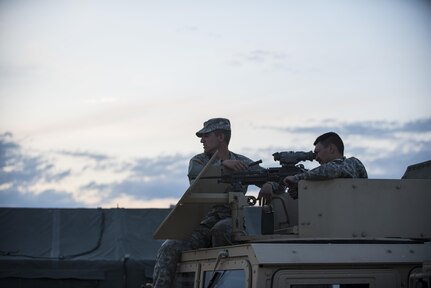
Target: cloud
{"points": [[37, 181], [19, 170], [46, 199], [161, 177], [94, 156], [366, 128], [385, 148], [421, 125], [161, 166], [259, 56]]}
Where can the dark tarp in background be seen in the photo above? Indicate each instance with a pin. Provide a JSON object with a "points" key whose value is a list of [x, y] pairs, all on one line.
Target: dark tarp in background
{"points": [[78, 247]]}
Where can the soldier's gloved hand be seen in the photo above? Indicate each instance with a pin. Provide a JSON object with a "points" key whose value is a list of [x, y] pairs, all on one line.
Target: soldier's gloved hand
{"points": [[291, 182], [293, 192], [265, 194]]}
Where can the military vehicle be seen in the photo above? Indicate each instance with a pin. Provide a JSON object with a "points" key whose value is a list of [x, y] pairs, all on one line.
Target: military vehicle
{"points": [[338, 233]]}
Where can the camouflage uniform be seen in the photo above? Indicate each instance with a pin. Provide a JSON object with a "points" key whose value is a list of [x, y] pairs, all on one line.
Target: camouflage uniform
{"points": [[338, 168], [214, 230], [218, 212]]}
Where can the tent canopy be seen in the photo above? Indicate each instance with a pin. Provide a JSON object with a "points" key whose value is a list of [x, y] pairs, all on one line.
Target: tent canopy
{"points": [[84, 244]]}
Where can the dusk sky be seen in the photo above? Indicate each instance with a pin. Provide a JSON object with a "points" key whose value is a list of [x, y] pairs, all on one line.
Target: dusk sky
{"points": [[100, 100]]}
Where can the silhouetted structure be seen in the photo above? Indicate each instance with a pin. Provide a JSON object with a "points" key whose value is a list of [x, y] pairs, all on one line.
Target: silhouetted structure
{"points": [[78, 247]]}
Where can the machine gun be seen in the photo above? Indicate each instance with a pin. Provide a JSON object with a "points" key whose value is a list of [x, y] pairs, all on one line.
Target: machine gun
{"points": [[289, 166]]}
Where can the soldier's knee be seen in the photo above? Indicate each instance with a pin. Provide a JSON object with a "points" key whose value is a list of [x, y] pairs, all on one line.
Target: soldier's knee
{"points": [[171, 247], [224, 226], [168, 244], [221, 233]]}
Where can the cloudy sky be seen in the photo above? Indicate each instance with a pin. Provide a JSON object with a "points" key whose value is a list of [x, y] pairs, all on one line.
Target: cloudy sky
{"points": [[100, 100]]}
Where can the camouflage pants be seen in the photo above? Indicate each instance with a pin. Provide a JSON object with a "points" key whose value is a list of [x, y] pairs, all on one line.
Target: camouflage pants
{"points": [[170, 252]]}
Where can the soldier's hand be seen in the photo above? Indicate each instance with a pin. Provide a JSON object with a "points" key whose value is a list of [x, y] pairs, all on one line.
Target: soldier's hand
{"points": [[265, 194], [293, 186], [293, 192], [289, 181], [235, 165]]}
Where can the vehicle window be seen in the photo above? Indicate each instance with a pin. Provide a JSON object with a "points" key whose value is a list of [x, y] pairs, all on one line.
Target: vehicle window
{"points": [[330, 286], [336, 278], [224, 279], [184, 280]]}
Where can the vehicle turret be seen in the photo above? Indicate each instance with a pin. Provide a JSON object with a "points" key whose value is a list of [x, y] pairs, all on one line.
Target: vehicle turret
{"points": [[338, 233]]}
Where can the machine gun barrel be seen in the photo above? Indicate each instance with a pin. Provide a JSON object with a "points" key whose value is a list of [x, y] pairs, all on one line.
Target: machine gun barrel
{"points": [[260, 177]]}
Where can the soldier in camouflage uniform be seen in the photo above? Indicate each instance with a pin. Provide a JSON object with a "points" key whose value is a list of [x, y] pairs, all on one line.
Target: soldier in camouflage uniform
{"points": [[216, 227], [329, 150]]}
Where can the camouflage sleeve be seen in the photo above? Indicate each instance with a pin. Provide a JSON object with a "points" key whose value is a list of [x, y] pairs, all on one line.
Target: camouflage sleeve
{"points": [[339, 168], [196, 164]]}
